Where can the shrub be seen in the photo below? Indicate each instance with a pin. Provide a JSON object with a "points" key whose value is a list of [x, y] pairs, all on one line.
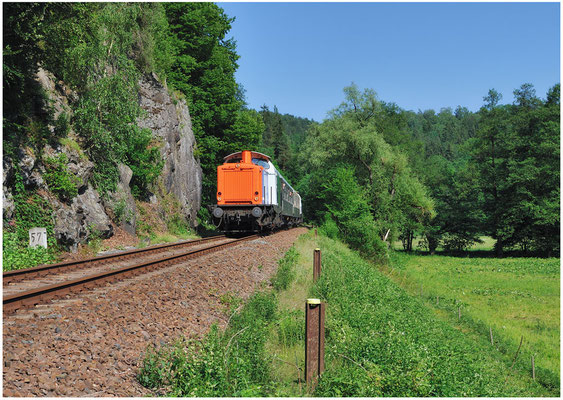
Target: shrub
{"points": [[329, 227], [62, 125], [119, 210], [30, 211], [286, 270], [60, 181], [16, 255], [176, 225], [106, 117]]}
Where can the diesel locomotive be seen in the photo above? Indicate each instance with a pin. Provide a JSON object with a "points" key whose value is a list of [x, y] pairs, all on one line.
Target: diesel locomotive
{"points": [[252, 195]]}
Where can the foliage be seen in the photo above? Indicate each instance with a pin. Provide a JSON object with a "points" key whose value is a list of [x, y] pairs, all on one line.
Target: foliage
{"points": [[329, 227], [31, 211], [17, 256], [58, 178], [378, 196], [106, 118], [204, 72], [177, 225], [517, 155], [286, 270], [99, 50]]}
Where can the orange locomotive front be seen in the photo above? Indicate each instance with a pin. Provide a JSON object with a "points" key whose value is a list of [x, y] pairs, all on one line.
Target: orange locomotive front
{"points": [[239, 183], [252, 196]]}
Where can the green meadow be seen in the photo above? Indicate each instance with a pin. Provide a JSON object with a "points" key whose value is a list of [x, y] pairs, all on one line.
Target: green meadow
{"points": [[512, 298]]}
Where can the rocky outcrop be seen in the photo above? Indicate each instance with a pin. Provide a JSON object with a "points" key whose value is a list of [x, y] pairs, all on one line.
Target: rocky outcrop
{"points": [[122, 202], [169, 120], [84, 218], [59, 94], [87, 215], [8, 206]]}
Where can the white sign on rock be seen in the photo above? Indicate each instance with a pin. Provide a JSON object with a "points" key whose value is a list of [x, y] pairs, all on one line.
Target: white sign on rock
{"points": [[38, 237]]}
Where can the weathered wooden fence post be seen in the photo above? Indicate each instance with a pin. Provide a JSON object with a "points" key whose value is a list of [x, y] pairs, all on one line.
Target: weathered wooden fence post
{"points": [[316, 264], [491, 335], [314, 341], [315, 232]]}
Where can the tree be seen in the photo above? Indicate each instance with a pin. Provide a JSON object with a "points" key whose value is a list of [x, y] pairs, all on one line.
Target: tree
{"points": [[350, 139], [204, 72], [517, 155]]}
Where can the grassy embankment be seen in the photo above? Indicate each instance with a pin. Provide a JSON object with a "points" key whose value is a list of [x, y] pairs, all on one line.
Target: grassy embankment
{"points": [[512, 297], [380, 341]]}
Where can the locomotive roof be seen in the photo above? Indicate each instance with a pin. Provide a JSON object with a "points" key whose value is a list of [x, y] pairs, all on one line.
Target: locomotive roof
{"points": [[254, 154]]}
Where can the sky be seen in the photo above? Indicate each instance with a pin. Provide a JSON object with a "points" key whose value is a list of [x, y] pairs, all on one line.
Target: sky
{"points": [[299, 56]]}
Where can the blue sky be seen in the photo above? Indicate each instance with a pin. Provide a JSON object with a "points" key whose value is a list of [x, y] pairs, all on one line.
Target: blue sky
{"points": [[299, 56]]}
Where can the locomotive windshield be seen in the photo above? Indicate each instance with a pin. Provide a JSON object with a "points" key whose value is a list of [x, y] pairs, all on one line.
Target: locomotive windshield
{"points": [[260, 162]]}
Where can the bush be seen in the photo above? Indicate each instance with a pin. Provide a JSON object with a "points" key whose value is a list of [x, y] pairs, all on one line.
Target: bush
{"points": [[16, 255], [329, 227], [349, 215], [106, 117], [286, 270], [60, 181], [176, 225]]}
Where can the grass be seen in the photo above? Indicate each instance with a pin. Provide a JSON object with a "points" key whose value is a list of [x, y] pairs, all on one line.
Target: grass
{"points": [[286, 337], [515, 297], [169, 238], [381, 340]]}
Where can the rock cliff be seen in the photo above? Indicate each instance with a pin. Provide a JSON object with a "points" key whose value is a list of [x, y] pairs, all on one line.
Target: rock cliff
{"points": [[169, 119], [76, 220]]}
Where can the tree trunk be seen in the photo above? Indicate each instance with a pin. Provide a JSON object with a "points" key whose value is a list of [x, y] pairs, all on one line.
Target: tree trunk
{"points": [[499, 248]]}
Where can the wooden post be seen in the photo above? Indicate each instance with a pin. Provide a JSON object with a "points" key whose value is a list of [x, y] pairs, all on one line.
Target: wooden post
{"points": [[437, 300], [491, 335], [316, 264], [315, 232], [314, 341], [533, 368]]}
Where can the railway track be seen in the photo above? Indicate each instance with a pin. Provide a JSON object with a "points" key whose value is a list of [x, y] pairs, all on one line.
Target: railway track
{"points": [[10, 277], [46, 292]]}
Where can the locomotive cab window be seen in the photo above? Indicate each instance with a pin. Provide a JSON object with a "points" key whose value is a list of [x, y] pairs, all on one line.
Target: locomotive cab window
{"points": [[263, 163]]}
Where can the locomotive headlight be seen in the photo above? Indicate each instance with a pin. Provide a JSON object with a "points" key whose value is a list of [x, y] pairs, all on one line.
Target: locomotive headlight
{"points": [[256, 212], [218, 212]]}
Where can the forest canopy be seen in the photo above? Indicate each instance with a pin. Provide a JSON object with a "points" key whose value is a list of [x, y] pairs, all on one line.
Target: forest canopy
{"points": [[370, 173]]}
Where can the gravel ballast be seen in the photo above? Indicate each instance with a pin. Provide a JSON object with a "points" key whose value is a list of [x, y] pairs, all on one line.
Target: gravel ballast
{"points": [[92, 344]]}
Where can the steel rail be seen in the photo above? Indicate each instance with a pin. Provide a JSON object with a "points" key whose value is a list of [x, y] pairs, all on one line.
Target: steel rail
{"points": [[46, 269], [32, 297]]}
